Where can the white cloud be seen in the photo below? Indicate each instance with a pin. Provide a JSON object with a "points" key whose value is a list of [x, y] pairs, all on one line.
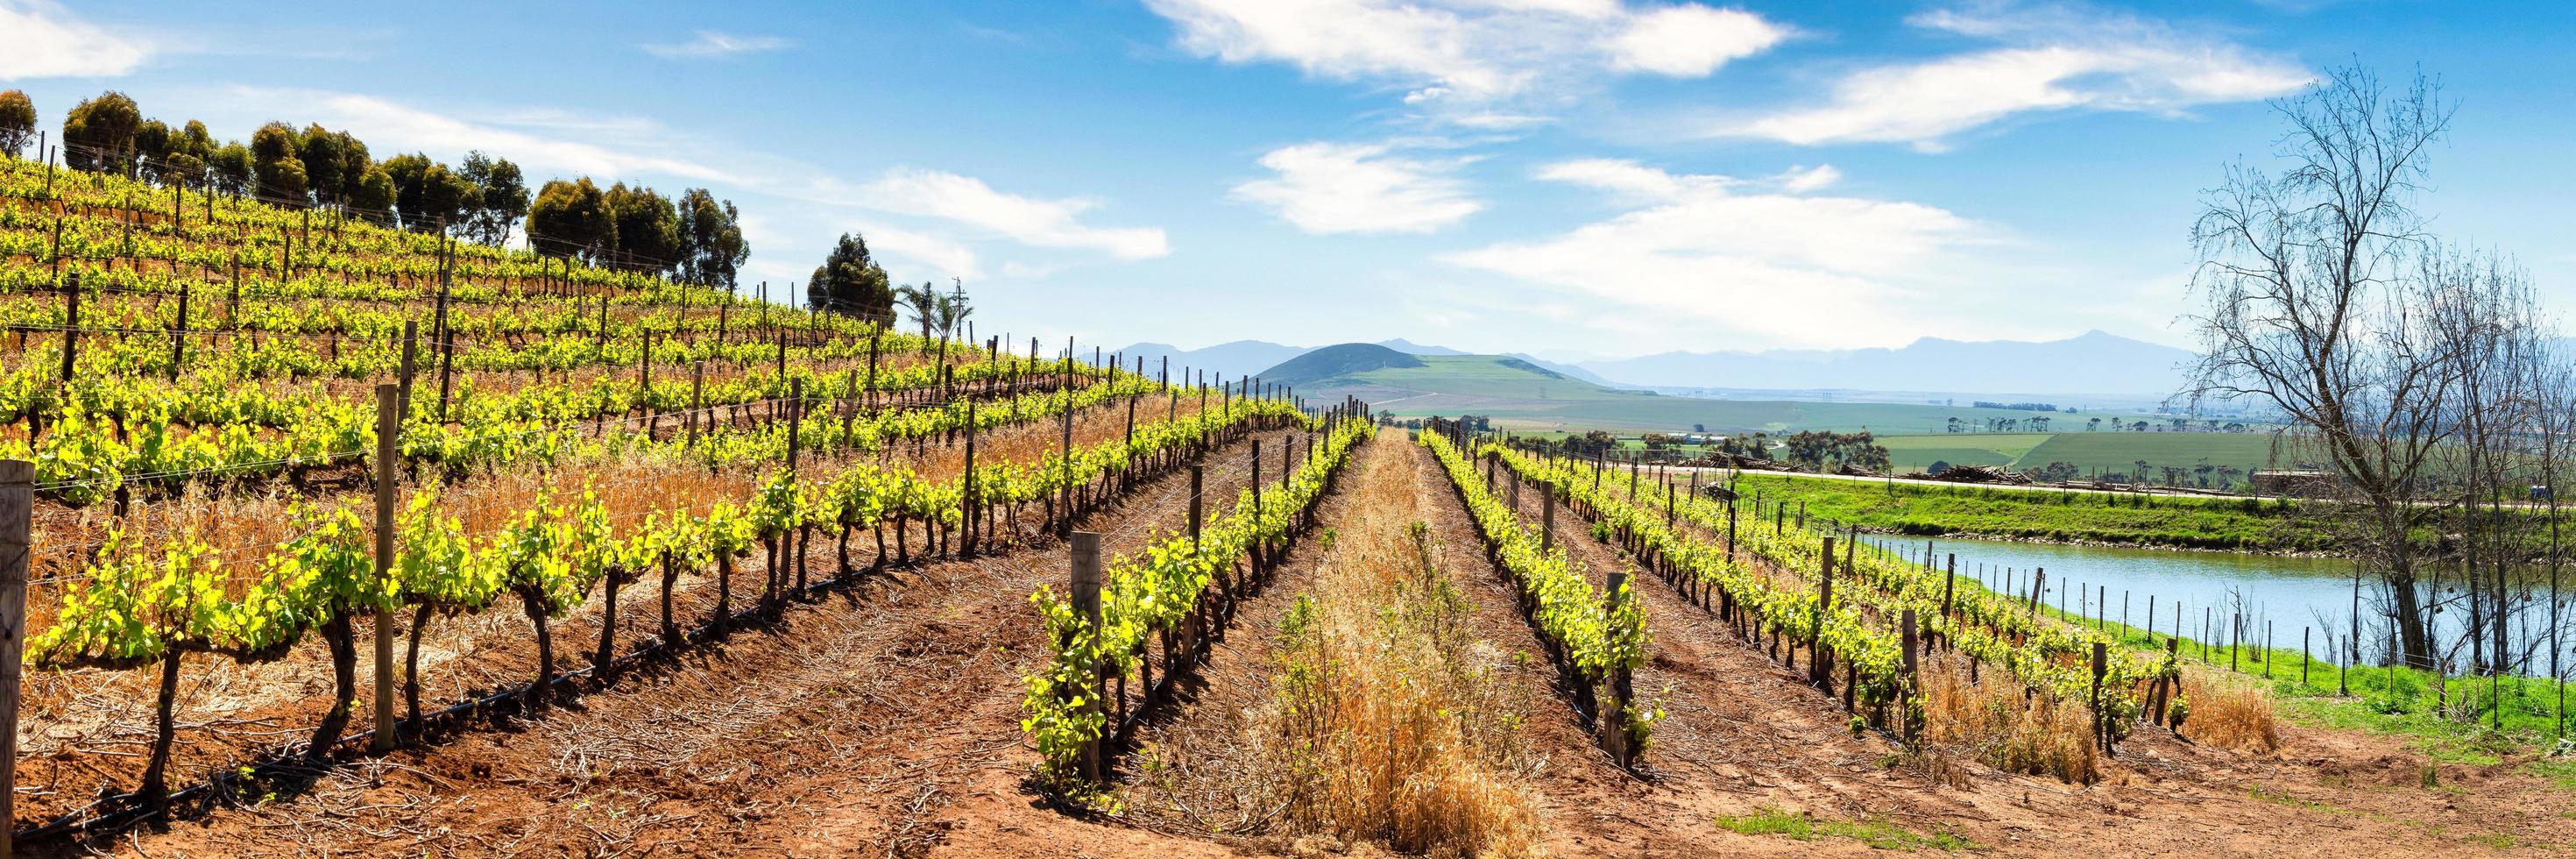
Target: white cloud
{"points": [[710, 44], [1632, 180], [1698, 253], [390, 127], [1800, 180], [1028, 220], [1690, 41], [802, 209], [1473, 51], [1326, 188], [47, 40], [2051, 59]]}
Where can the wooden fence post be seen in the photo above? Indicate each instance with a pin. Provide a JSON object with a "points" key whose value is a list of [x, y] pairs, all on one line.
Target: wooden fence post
{"points": [[71, 324], [1614, 724], [402, 391], [1086, 605], [1546, 520], [2101, 664], [388, 432], [1819, 669], [179, 329], [973, 509], [697, 402], [17, 509], [1066, 526], [1197, 473], [1912, 683]]}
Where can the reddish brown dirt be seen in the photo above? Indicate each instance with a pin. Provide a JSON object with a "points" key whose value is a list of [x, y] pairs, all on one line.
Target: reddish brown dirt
{"points": [[883, 721], [846, 727], [87, 731]]}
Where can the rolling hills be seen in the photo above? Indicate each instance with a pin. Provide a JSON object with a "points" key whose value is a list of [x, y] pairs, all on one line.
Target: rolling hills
{"points": [[1526, 396]]}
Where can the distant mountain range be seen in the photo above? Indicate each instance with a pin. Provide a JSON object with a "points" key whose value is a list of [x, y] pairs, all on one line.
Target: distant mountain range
{"points": [[2092, 363]]}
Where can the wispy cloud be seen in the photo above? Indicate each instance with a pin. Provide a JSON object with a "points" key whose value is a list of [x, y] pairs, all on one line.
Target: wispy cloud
{"points": [[1697, 249], [710, 44], [2050, 59], [807, 207], [392, 126], [46, 40], [1464, 55], [1034, 221], [1326, 188]]}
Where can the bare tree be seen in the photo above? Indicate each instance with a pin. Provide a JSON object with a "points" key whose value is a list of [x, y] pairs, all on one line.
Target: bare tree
{"points": [[2312, 306], [2485, 314]]}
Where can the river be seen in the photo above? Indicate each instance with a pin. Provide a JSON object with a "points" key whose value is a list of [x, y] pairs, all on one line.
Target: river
{"points": [[2292, 593]]}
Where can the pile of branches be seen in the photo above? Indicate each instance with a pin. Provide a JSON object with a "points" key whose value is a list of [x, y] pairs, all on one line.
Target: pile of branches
{"points": [[1982, 474]]}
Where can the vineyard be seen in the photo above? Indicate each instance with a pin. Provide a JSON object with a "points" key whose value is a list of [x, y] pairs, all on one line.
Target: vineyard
{"points": [[342, 538]]}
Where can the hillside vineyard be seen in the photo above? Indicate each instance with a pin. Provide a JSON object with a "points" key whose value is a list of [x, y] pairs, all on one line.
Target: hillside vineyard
{"points": [[325, 521], [234, 410]]}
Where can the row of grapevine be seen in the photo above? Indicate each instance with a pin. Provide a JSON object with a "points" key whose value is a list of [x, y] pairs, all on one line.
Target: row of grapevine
{"points": [[1600, 637], [1772, 611], [141, 603], [214, 231], [2052, 658], [1181, 587], [1868, 595]]}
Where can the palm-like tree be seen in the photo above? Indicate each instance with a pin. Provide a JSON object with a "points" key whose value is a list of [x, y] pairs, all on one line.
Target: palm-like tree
{"points": [[951, 311], [922, 300]]}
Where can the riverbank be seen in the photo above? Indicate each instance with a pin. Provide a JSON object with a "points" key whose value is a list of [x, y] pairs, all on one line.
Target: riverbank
{"points": [[2102, 519]]}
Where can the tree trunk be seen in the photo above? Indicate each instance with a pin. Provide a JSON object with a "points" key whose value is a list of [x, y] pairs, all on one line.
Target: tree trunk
{"points": [[156, 784], [343, 642], [724, 586], [670, 628], [533, 602], [411, 666], [602, 662]]}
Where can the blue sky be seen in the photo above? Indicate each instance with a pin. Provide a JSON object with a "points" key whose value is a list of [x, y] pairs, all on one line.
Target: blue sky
{"points": [[1574, 178]]}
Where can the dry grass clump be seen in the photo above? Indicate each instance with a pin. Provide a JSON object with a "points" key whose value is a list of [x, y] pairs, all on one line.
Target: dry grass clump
{"points": [[1387, 721], [2228, 714], [2009, 730]]}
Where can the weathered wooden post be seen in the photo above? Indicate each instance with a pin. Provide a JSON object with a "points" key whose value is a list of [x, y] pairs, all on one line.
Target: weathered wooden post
{"points": [[1819, 667], [1614, 724], [974, 506], [179, 330], [1913, 686], [697, 402], [1086, 605], [71, 324], [17, 510], [1546, 520], [1256, 501], [388, 431], [1197, 474], [2101, 664], [1065, 526]]}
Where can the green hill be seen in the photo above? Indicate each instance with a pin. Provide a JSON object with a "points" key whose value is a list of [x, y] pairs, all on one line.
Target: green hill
{"points": [[1336, 362]]}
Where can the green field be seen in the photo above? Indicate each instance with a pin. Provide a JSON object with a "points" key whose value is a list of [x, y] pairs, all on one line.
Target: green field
{"points": [[2101, 517], [1918, 452], [2091, 452]]}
